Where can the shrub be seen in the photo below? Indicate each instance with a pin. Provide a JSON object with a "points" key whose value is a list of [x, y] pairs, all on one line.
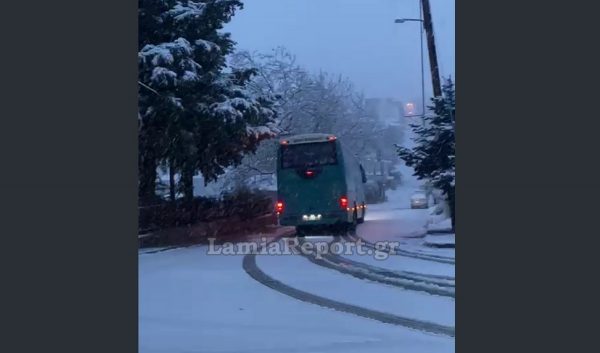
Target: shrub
{"points": [[241, 205]]}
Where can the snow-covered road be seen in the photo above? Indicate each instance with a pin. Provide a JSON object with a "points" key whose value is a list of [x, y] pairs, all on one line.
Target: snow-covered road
{"points": [[193, 302], [190, 301]]}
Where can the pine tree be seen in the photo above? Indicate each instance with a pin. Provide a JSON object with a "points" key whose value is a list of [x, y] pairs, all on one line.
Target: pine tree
{"points": [[196, 113], [433, 156]]}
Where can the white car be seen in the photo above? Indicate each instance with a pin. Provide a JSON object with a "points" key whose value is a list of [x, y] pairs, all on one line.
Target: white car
{"points": [[419, 200]]}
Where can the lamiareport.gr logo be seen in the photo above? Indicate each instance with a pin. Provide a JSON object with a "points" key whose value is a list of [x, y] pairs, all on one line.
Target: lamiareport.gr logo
{"points": [[295, 246]]}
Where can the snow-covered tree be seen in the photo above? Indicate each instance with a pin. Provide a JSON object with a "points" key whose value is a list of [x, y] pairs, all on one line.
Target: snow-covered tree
{"points": [[433, 155], [306, 103], [196, 113]]}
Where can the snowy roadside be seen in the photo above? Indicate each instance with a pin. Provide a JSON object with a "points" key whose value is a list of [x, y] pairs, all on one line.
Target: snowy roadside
{"points": [[404, 226], [442, 226], [440, 234], [417, 230], [271, 232]]}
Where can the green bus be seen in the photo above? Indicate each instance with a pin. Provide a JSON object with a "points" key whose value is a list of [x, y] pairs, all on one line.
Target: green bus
{"points": [[319, 184]]}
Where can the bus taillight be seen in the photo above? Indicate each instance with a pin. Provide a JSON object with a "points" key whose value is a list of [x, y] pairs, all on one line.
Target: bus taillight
{"points": [[279, 207], [344, 202]]}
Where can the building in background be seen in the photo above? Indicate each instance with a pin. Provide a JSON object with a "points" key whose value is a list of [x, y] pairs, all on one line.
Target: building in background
{"points": [[389, 113], [386, 110], [382, 160]]}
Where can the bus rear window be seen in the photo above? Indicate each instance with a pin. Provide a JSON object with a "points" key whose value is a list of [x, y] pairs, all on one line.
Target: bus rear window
{"points": [[308, 155]]}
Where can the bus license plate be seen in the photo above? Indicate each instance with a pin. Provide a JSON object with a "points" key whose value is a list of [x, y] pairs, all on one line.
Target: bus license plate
{"points": [[311, 217]]}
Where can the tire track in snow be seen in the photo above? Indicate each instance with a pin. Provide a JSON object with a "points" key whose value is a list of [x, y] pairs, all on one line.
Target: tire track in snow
{"points": [[377, 274], [252, 269], [441, 280], [397, 251]]}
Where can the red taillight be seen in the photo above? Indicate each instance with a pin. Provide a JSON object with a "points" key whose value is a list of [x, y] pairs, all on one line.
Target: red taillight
{"points": [[331, 138], [343, 202], [279, 207], [309, 173]]}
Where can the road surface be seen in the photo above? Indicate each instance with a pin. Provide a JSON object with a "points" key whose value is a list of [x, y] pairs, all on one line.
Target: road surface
{"points": [[191, 301]]}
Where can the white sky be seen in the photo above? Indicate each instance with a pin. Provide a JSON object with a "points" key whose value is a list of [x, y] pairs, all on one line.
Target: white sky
{"points": [[355, 38]]}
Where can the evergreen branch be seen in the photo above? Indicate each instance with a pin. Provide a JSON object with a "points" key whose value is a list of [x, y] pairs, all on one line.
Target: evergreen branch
{"points": [[150, 88]]}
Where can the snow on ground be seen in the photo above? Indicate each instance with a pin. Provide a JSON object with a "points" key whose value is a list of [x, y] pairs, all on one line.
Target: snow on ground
{"points": [[393, 220], [445, 225], [193, 302], [438, 217], [392, 224], [299, 273], [417, 246], [403, 263]]}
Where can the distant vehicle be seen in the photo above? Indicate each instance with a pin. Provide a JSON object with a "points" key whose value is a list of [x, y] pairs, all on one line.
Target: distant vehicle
{"points": [[419, 200], [319, 184]]}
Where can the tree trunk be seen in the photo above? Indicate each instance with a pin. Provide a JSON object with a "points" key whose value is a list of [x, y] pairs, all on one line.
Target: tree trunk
{"points": [[147, 179], [187, 187], [172, 181], [451, 205]]}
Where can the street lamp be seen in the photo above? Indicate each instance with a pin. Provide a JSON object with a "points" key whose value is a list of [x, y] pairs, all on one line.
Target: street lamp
{"points": [[404, 20]]}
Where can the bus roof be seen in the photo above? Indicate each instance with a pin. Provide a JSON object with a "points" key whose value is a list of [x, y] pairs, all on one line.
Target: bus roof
{"points": [[307, 138]]}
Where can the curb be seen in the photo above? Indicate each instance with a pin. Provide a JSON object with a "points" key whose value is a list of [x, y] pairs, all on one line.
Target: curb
{"points": [[439, 231], [441, 245]]}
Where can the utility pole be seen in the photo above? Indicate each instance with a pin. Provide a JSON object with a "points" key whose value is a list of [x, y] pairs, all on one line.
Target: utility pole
{"points": [[423, 105], [433, 63]]}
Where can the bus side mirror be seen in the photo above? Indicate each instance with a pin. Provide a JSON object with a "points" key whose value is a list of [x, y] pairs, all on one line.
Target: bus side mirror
{"points": [[362, 174]]}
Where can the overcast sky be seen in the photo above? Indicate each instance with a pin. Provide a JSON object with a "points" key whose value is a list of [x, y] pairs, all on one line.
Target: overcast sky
{"points": [[355, 38]]}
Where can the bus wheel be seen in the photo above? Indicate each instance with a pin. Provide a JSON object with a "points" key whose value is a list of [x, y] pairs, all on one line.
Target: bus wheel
{"points": [[362, 218], [351, 227]]}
